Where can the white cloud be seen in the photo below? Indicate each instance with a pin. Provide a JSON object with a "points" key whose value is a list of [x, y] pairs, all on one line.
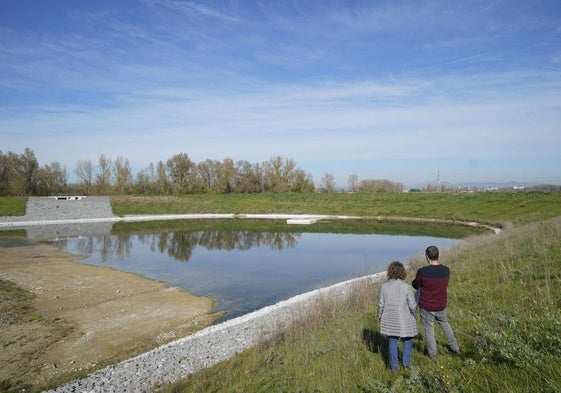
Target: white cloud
{"points": [[343, 122], [190, 8], [338, 85]]}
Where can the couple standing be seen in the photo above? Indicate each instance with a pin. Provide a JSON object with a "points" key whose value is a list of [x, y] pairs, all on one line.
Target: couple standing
{"points": [[397, 305]]}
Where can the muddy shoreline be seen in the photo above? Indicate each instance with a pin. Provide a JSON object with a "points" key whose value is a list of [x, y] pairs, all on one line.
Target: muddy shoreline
{"points": [[86, 317]]}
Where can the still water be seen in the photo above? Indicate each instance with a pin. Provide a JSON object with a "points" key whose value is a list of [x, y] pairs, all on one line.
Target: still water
{"points": [[244, 271]]}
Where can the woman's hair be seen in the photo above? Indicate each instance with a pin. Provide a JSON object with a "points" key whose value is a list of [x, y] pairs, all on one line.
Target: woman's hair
{"points": [[396, 270]]}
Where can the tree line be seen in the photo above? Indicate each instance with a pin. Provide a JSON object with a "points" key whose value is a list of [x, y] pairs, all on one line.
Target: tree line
{"points": [[21, 175]]}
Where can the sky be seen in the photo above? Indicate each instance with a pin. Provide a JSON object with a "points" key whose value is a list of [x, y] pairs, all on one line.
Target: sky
{"points": [[416, 92]]}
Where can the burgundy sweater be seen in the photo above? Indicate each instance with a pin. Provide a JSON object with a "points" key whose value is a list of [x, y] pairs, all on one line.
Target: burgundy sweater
{"points": [[432, 280]]}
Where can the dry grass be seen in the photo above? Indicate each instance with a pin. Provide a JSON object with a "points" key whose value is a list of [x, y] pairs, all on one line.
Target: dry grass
{"points": [[504, 305]]}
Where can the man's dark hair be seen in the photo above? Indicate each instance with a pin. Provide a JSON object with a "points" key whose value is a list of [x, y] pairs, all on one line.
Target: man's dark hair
{"points": [[432, 253]]}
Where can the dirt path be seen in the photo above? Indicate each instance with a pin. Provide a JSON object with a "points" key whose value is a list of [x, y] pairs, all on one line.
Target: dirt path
{"points": [[86, 317]]}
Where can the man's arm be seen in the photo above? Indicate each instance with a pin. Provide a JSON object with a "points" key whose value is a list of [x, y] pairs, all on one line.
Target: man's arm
{"points": [[417, 282]]}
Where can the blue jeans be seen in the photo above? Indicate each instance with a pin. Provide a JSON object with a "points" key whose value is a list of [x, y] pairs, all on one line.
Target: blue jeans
{"points": [[428, 317], [392, 351]]}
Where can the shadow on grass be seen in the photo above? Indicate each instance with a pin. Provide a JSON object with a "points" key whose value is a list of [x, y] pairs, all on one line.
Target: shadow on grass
{"points": [[376, 343]]}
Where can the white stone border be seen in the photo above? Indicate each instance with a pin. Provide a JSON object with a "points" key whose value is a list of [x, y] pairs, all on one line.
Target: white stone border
{"points": [[294, 218], [176, 360]]}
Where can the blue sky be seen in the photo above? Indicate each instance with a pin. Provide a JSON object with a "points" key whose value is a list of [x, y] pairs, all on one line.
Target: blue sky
{"points": [[398, 90]]}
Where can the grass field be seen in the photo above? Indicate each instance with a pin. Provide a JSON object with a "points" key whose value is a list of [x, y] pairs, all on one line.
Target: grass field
{"points": [[356, 226], [504, 301], [12, 206], [486, 207], [504, 305]]}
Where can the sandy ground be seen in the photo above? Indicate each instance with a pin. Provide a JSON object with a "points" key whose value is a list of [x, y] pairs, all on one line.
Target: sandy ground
{"points": [[87, 316]]}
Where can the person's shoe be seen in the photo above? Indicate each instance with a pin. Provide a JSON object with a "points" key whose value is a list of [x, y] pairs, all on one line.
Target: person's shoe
{"points": [[455, 351]]}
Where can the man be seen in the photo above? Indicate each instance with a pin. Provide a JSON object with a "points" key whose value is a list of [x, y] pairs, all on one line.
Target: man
{"points": [[432, 282]]}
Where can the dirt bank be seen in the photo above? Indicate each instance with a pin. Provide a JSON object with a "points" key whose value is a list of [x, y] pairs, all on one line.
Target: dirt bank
{"points": [[85, 317]]}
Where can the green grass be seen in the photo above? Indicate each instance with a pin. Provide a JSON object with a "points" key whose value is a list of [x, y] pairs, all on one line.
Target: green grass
{"points": [[486, 207], [504, 305], [356, 226], [12, 206], [13, 233]]}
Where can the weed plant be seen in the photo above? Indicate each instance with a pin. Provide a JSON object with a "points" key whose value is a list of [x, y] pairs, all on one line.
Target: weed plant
{"points": [[504, 305]]}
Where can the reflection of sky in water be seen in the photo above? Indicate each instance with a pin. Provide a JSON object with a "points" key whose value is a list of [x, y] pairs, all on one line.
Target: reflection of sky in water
{"points": [[243, 280]]}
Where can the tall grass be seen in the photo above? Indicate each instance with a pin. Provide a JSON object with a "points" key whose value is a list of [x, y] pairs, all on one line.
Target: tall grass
{"points": [[504, 305]]}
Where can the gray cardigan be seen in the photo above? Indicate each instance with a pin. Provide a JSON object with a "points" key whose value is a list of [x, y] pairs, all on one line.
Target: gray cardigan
{"points": [[396, 309]]}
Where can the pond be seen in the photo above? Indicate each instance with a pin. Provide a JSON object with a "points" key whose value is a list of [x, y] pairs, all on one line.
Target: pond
{"points": [[247, 270]]}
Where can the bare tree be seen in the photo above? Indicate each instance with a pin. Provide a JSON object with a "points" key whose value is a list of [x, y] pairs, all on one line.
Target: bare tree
{"points": [[18, 173], [145, 181], [103, 177], [30, 167], [327, 183], [276, 174], [247, 178], [301, 181], [225, 173], [353, 183], [123, 175], [51, 179], [85, 172], [375, 185], [162, 186], [282, 175], [13, 181], [21, 175], [207, 175], [180, 169]]}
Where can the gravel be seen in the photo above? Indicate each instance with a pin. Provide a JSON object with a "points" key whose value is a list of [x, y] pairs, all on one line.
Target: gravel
{"points": [[40, 209], [49, 218], [178, 359], [53, 219]]}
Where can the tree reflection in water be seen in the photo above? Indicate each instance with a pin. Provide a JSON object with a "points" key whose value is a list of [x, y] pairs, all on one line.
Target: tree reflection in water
{"points": [[180, 244], [245, 269]]}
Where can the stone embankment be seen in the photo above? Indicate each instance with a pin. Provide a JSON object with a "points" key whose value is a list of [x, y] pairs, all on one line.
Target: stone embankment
{"points": [[178, 359], [51, 219]]}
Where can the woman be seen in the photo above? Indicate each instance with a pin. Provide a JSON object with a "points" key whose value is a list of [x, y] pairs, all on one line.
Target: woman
{"points": [[396, 314]]}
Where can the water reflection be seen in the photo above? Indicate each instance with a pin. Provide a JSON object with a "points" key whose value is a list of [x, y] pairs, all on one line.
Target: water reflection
{"points": [[180, 245], [247, 270]]}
